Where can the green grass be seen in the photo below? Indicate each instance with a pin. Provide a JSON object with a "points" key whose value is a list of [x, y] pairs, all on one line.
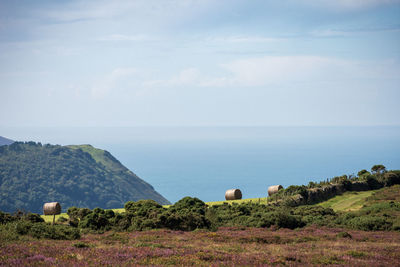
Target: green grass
{"points": [[99, 156], [49, 218], [261, 200], [348, 201]]}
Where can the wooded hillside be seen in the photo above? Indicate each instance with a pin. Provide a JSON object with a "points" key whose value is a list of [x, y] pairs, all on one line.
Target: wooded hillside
{"points": [[82, 176]]}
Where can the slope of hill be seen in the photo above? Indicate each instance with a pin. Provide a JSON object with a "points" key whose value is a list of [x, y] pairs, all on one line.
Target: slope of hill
{"points": [[5, 141], [82, 176], [348, 201]]}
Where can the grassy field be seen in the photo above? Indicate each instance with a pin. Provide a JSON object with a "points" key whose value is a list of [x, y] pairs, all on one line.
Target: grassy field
{"points": [[348, 201], [261, 200], [97, 154]]}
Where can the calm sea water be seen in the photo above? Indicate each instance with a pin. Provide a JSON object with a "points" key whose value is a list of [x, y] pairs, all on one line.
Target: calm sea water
{"points": [[205, 162]]}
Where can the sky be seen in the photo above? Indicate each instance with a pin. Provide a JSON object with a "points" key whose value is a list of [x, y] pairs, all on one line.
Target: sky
{"points": [[199, 63]]}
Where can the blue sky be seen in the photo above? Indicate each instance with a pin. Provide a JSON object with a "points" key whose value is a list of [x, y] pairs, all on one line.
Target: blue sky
{"points": [[200, 63]]}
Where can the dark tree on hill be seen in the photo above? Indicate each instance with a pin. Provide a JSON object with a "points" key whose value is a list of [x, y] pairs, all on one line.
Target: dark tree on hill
{"points": [[378, 169], [362, 172]]}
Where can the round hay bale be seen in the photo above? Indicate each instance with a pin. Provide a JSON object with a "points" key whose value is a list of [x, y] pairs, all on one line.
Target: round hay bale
{"points": [[233, 194], [273, 189], [51, 208]]}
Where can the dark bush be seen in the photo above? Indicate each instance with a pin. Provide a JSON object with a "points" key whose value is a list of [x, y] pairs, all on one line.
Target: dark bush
{"points": [[372, 181], [189, 204], [6, 218], [143, 207], [33, 217], [8, 232], [95, 221], [23, 227], [109, 214], [61, 232], [315, 214], [73, 212], [62, 219], [185, 221], [369, 223], [83, 212], [344, 235], [285, 220], [121, 221], [390, 178], [81, 245]]}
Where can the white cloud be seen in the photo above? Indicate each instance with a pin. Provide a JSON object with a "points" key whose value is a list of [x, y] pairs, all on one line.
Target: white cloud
{"points": [[283, 71], [189, 76], [160, 12], [123, 37], [105, 85], [330, 33], [244, 39], [278, 70], [292, 70], [349, 4]]}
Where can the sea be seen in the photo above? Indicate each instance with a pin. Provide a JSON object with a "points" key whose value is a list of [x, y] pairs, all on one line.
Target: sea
{"points": [[204, 162]]}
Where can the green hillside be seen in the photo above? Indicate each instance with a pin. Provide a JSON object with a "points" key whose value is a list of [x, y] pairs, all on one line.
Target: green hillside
{"points": [[349, 201], [82, 176]]}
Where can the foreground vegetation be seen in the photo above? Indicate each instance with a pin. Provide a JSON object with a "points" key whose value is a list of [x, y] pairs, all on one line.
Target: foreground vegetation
{"points": [[380, 211], [228, 246], [274, 231]]}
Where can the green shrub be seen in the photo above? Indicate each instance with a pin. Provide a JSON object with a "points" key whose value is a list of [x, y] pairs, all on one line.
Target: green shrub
{"points": [[390, 178], [62, 219], [369, 223], [8, 232], [356, 254], [143, 208], [6, 218], [61, 232], [95, 221], [396, 225], [23, 227], [344, 218], [380, 208], [315, 214], [372, 181], [33, 217], [76, 214], [185, 221], [121, 221], [109, 214], [81, 245], [344, 235], [189, 204], [285, 220], [83, 212]]}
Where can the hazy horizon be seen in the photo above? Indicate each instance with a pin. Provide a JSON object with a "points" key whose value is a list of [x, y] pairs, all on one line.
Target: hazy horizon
{"points": [[204, 162]]}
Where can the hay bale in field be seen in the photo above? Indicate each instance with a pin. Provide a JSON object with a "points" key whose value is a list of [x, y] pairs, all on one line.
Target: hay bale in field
{"points": [[51, 208], [273, 189], [233, 194]]}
